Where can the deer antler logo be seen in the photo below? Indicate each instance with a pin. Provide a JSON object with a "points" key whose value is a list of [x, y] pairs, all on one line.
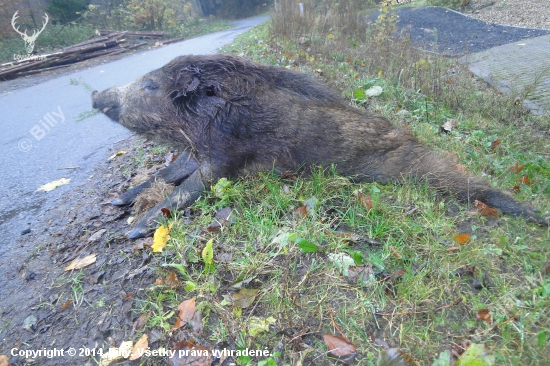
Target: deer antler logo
{"points": [[29, 40]]}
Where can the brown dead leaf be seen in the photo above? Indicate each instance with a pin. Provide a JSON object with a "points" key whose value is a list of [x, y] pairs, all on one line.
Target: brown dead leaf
{"points": [[190, 354], [172, 280], [139, 348], [159, 281], [66, 305], [140, 245], [462, 238], [395, 356], [79, 262], [365, 201], [214, 226], [139, 323], [301, 212], [128, 296], [96, 236], [516, 168], [187, 311], [166, 212], [525, 180], [395, 253], [339, 346], [484, 209], [4, 360], [495, 144], [483, 314], [196, 322]]}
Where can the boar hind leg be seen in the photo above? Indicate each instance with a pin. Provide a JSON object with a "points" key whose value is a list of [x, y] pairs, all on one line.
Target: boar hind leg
{"points": [[184, 195], [176, 172]]}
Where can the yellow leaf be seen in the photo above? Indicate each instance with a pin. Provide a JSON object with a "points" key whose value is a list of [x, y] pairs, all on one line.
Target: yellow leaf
{"points": [[330, 36], [139, 348], [160, 238], [78, 263], [53, 185], [116, 354], [120, 152], [380, 73], [257, 325], [208, 252]]}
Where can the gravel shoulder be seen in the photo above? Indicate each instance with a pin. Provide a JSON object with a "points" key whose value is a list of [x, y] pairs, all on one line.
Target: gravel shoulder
{"points": [[518, 13]]}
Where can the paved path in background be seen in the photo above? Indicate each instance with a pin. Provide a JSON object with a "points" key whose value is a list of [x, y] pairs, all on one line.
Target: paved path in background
{"points": [[35, 152], [508, 58], [513, 67]]}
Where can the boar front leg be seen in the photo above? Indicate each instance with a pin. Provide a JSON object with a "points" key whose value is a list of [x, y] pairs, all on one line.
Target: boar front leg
{"points": [[184, 195], [176, 172]]}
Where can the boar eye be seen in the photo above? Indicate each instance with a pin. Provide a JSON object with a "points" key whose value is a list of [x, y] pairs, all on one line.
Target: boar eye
{"points": [[150, 85], [210, 92]]}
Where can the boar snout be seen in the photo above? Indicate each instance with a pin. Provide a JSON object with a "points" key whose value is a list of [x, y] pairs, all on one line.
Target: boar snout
{"points": [[108, 102]]}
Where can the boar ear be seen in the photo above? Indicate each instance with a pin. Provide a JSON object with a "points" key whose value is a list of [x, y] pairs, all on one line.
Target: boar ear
{"points": [[187, 81]]}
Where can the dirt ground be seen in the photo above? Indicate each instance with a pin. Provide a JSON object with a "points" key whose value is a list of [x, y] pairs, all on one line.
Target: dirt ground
{"points": [[49, 308]]}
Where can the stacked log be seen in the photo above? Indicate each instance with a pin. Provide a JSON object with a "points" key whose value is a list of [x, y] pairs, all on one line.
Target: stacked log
{"points": [[107, 44]]}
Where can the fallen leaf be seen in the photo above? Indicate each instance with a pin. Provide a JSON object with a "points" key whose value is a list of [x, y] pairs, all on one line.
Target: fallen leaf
{"points": [[127, 297], [395, 356], [444, 359], [118, 153], [166, 212], [476, 355], [4, 360], [395, 253], [208, 252], [525, 180], [187, 311], [301, 212], [365, 201], [342, 261], [53, 185], [140, 245], [196, 322], [374, 91], [159, 281], [516, 168], [172, 279], [257, 325], [117, 354], [139, 323], [139, 348], [66, 305], [244, 298], [96, 236], [483, 314], [495, 144], [462, 238], [484, 209], [79, 263], [339, 346], [160, 238], [449, 126]]}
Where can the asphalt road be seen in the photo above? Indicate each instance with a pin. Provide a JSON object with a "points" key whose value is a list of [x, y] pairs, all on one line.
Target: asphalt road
{"points": [[40, 136]]}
